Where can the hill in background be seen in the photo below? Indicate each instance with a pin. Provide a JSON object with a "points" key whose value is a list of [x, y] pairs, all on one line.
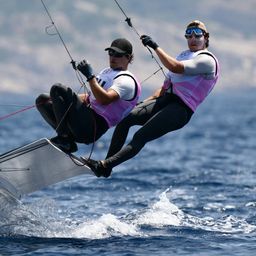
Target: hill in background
{"points": [[31, 60]]}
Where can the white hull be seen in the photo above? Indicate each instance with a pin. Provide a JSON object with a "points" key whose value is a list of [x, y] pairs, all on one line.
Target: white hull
{"points": [[37, 165]]}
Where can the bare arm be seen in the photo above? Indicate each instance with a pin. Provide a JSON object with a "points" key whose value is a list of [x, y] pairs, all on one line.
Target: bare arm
{"points": [[102, 96], [169, 62]]}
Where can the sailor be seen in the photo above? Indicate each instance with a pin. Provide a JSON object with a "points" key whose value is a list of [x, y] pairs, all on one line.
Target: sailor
{"points": [[84, 118], [191, 77]]}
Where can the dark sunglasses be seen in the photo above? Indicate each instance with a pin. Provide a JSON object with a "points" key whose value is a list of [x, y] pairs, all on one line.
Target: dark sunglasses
{"points": [[197, 31], [113, 53]]}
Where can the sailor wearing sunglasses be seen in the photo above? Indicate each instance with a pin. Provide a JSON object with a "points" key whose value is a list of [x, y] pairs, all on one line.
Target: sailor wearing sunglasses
{"points": [[191, 77], [84, 118]]}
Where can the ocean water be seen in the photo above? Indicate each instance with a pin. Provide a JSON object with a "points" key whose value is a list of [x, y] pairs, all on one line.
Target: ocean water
{"points": [[191, 192]]}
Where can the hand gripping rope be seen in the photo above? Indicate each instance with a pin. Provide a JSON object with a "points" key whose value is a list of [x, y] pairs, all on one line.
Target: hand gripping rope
{"points": [[79, 77], [129, 22]]}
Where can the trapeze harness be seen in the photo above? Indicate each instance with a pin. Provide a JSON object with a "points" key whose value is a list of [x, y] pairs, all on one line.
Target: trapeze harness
{"points": [[191, 89], [113, 113], [164, 114]]}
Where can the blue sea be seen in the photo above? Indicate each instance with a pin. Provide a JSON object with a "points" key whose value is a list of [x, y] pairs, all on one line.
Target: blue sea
{"points": [[191, 192]]}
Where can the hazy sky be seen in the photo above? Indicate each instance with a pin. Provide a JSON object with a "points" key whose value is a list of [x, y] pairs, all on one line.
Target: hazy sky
{"points": [[32, 60]]}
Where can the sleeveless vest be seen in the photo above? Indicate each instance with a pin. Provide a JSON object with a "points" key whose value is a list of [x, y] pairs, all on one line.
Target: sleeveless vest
{"points": [[192, 89], [114, 112]]}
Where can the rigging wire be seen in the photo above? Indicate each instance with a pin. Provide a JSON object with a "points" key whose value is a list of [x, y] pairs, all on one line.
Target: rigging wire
{"points": [[16, 112], [78, 75], [129, 22], [57, 31], [13, 105]]}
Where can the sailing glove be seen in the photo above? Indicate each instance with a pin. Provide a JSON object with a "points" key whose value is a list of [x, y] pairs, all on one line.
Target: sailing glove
{"points": [[85, 68], [147, 41]]}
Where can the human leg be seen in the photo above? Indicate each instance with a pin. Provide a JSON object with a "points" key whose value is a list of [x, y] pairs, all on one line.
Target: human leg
{"points": [[75, 117], [84, 123], [62, 100], [138, 116], [44, 106], [171, 117]]}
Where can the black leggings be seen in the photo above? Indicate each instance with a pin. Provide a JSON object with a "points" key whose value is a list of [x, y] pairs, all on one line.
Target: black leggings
{"points": [[157, 117], [69, 116]]}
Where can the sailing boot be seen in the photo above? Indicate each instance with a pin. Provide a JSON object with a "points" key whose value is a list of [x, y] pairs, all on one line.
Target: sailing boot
{"points": [[97, 167], [65, 144]]}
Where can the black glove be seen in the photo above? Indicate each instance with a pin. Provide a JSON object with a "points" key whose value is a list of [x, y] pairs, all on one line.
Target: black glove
{"points": [[147, 41], [85, 68], [73, 63]]}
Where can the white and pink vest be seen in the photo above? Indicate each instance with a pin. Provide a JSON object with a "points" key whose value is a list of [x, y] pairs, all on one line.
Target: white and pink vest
{"points": [[114, 112], [192, 89]]}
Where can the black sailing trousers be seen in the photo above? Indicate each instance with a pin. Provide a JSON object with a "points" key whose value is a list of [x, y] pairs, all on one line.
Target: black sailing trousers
{"points": [[157, 118], [69, 116]]}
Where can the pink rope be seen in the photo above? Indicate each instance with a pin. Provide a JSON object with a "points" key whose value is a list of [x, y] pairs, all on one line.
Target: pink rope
{"points": [[16, 112]]}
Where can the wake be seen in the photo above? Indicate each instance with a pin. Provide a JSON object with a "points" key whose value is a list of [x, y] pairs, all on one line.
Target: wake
{"points": [[45, 220]]}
